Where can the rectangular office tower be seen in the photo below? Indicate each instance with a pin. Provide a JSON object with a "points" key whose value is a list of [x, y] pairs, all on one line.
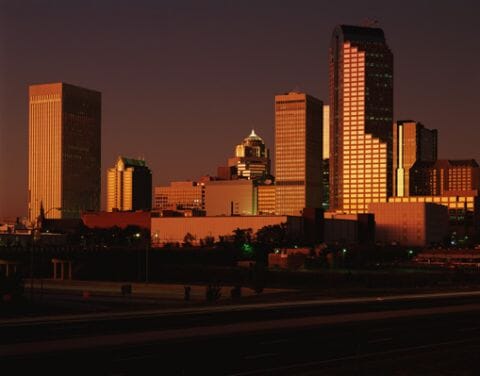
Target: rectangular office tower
{"points": [[64, 150], [361, 118], [298, 153], [412, 142]]}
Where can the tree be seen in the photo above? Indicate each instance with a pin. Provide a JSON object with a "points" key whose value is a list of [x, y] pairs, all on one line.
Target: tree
{"points": [[242, 236], [188, 239], [273, 235]]}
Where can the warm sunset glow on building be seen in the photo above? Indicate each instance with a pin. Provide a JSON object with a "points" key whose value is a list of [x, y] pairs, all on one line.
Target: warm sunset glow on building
{"points": [[298, 153], [412, 142], [361, 113], [64, 150], [129, 185]]}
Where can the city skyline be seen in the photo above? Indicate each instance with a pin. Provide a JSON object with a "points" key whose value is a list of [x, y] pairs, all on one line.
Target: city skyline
{"points": [[417, 91]]}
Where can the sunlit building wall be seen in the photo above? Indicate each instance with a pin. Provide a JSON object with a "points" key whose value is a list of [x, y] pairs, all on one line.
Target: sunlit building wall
{"points": [[445, 177], [298, 152], [326, 131], [361, 118], [412, 142], [230, 197], [266, 199], [173, 229], [129, 186], [180, 195], [64, 159], [326, 158], [414, 224]]}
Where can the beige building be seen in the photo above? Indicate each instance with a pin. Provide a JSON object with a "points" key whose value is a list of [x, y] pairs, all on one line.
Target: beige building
{"points": [[298, 153], [173, 229], [361, 118], [129, 185], [64, 155], [230, 197], [415, 224]]}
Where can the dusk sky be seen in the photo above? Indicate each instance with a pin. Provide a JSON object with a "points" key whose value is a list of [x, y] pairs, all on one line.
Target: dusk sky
{"points": [[183, 82]]}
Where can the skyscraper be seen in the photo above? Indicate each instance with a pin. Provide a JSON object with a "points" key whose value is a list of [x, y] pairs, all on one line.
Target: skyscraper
{"points": [[361, 118], [64, 150], [298, 153], [412, 142], [129, 185], [252, 159]]}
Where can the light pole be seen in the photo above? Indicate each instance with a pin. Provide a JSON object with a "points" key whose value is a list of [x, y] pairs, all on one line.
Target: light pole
{"points": [[36, 232]]}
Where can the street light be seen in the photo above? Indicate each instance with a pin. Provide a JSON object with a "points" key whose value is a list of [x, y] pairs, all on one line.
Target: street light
{"points": [[36, 233]]}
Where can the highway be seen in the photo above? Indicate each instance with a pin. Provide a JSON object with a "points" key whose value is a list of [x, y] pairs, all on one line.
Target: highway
{"points": [[420, 334]]}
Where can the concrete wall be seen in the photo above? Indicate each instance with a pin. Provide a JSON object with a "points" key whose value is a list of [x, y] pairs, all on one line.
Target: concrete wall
{"points": [[173, 229], [410, 224], [230, 197]]}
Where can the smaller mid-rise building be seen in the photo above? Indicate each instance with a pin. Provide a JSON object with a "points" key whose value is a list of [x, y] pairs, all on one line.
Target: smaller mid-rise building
{"points": [[180, 195], [413, 224], [412, 142], [129, 185], [230, 197], [445, 178]]}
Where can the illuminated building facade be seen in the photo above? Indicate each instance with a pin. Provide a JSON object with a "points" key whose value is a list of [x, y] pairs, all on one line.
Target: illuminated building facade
{"points": [[361, 118], [412, 142], [252, 160], [445, 178], [326, 158], [180, 195], [64, 161], [230, 197], [326, 132], [463, 211], [413, 224], [266, 199], [298, 153], [129, 186]]}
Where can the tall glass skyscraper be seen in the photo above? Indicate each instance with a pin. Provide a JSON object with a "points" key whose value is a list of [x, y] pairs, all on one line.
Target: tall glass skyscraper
{"points": [[361, 118], [64, 156], [298, 153]]}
